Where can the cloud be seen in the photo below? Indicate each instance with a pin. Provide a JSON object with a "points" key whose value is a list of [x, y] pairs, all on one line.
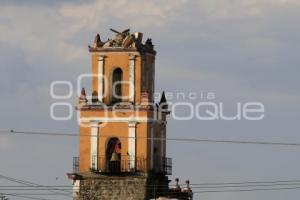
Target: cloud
{"points": [[6, 143], [236, 9], [44, 29], [136, 13], [236, 48], [37, 30], [224, 41]]}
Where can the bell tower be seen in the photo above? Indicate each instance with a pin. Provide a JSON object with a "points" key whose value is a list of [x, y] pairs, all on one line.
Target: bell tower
{"points": [[122, 148]]}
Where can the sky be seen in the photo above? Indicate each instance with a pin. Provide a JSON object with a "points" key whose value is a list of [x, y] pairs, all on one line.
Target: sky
{"points": [[240, 50]]}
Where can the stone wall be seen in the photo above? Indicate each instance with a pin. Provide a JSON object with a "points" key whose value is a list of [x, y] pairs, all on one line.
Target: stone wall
{"points": [[119, 188]]}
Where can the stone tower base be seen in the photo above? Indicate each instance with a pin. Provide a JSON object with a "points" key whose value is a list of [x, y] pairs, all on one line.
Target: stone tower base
{"points": [[121, 187]]}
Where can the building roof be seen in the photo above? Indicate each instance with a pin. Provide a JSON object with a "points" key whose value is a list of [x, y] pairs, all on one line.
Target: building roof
{"points": [[123, 40]]}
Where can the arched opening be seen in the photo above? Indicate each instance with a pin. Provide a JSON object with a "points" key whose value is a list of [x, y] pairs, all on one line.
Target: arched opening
{"points": [[117, 85], [113, 155]]}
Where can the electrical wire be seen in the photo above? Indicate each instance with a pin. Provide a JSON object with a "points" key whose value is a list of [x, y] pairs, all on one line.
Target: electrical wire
{"points": [[197, 140], [174, 192], [25, 197], [203, 186], [27, 183], [246, 186], [247, 190]]}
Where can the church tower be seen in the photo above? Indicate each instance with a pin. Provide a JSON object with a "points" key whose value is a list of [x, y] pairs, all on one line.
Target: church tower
{"points": [[122, 148]]}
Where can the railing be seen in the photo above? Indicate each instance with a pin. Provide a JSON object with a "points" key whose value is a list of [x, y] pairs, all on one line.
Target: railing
{"points": [[125, 164], [122, 164], [163, 165]]}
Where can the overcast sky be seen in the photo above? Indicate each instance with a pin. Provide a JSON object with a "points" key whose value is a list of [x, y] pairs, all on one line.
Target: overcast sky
{"points": [[242, 50]]}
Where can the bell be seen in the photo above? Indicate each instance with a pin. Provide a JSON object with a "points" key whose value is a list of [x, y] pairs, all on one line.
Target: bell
{"points": [[114, 157]]}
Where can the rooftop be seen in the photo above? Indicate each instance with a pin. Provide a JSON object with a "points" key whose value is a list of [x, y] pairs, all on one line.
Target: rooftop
{"points": [[123, 40]]}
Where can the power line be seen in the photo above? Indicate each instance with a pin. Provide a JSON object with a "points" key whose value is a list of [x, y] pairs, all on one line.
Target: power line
{"points": [[247, 190], [14, 188], [25, 197], [249, 182], [251, 189], [241, 186], [296, 181], [197, 140], [195, 185], [170, 192], [27, 183]]}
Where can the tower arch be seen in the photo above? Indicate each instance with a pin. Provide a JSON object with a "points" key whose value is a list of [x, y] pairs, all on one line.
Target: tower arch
{"points": [[116, 85], [113, 154]]}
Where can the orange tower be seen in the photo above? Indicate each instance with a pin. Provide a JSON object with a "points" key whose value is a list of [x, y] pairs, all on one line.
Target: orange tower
{"points": [[122, 130]]}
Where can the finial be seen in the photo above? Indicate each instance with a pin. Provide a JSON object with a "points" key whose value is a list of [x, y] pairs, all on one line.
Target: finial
{"points": [[149, 43], [163, 98], [177, 187], [97, 41], [82, 99], [187, 189], [138, 36], [83, 94], [163, 102]]}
